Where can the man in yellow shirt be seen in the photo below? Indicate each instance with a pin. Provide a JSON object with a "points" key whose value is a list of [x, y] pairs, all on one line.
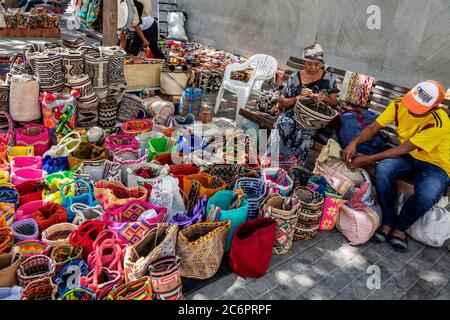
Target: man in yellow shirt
{"points": [[423, 157]]}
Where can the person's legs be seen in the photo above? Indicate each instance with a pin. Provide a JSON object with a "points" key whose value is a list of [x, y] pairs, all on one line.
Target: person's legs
{"points": [[387, 172], [430, 183], [152, 35], [32, 3]]}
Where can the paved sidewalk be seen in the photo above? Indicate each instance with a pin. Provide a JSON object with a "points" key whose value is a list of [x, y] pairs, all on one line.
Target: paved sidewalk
{"points": [[328, 268]]}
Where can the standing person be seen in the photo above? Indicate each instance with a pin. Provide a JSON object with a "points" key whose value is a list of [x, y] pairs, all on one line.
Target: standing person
{"points": [[145, 29], [423, 156], [313, 81]]}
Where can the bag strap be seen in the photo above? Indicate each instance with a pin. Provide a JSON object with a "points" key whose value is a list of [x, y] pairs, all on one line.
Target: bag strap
{"points": [[176, 81], [63, 143], [73, 182], [10, 123]]}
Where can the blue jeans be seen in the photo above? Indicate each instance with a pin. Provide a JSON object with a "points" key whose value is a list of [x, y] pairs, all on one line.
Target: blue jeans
{"points": [[430, 184]]}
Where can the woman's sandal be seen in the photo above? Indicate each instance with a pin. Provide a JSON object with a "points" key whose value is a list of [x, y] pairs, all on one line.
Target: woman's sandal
{"points": [[399, 244], [379, 237]]}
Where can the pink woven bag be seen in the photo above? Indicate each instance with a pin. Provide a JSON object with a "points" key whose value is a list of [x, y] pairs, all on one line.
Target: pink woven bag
{"points": [[36, 135], [25, 174], [26, 211], [21, 162]]}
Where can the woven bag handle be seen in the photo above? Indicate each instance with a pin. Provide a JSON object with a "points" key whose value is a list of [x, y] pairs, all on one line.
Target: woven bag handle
{"points": [[10, 124], [72, 182], [64, 144]]}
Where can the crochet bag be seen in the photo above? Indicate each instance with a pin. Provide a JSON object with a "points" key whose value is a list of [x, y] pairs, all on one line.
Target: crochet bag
{"points": [[129, 108], [86, 198], [27, 174], [108, 252], [86, 234], [7, 137], [24, 230], [86, 152], [116, 143], [33, 268], [21, 162], [107, 112], [255, 192], [277, 181], [83, 213], [16, 151], [300, 176], [139, 289], [166, 193], [134, 220], [35, 135], [8, 194], [6, 239], [24, 98], [54, 182], [285, 212], [144, 138], [59, 111], [128, 158], [102, 281], [310, 213], [95, 171], [137, 126], [59, 153], [69, 276], [197, 185], [311, 114], [227, 172], [113, 194], [356, 88], [40, 289], [78, 293], [159, 146], [9, 263], [49, 215], [223, 201], [267, 101], [65, 253], [185, 220], [358, 226], [191, 101], [158, 243], [251, 249], [146, 173], [30, 248], [201, 248], [166, 278], [58, 234]]}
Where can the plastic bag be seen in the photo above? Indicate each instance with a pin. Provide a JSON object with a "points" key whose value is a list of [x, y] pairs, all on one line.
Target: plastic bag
{"points": [[176, 26], [166, 193]]}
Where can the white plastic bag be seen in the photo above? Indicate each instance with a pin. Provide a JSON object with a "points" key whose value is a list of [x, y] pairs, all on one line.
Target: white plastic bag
{"points": [[433, 229], [176, 26], [166, 194]]}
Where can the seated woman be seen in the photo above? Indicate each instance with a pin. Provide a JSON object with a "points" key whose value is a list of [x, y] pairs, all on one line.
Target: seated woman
{"points": [[313, 81]]}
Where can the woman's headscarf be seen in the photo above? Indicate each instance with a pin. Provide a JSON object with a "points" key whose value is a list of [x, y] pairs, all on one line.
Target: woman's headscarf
{"points": [[314, 52]]}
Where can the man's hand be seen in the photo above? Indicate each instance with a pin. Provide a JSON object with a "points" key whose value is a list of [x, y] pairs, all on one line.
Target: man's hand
{"points": [[360, 162], [349, 153]]}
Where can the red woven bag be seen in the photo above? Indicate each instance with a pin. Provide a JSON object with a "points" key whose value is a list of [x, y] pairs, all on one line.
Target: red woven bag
{"points": [[49, 215]]}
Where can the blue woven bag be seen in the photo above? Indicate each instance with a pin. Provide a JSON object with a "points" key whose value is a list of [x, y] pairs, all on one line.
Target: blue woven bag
{"points": [[86, 198], [53, 165]]}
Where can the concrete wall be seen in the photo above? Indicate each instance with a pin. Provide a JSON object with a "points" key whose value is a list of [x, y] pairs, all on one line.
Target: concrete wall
{"points": [[413, 43]]}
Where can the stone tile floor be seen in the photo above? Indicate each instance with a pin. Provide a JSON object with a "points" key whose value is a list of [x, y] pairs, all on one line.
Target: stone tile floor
{"points": [[326, 267]]}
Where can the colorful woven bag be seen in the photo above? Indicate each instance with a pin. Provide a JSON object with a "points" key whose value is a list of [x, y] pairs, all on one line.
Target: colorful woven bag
{"points": [[277, 181], [95, 171], [86, 152], [102, 282], [30, 248], [119, 142], [27, 174], [145, 173], [86, 234], [197, 185], [70, 274], [78, 293], [86, 198], [166, 278], [35, 135], [25, 230], [40, 289], [29, 191], [255, 192], [58, 234], [220, 208], [135, 127], [158, 243], [201, 248], [59, 111], [310, 213], [130, 221], [252, 248], [285, 212], [140, 289], [128, 158], [113, 194], [34, 268], [185, 220], [83, 213], [64, 253]]}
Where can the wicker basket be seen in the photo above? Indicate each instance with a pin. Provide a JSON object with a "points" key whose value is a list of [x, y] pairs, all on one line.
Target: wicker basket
{"points": [[310, 213], [312, 114]]}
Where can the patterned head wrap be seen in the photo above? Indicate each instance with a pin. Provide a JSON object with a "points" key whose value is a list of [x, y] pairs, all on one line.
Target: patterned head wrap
{"points": [[314, 52]]}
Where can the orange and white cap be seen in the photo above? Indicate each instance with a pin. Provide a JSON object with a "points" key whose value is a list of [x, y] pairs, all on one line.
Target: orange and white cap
{"points": [[424, 97]]}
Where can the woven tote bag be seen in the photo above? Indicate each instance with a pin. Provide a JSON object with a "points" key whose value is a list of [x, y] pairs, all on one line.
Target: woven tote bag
{"points": [[24, 230], [107, 112], [160, 242], [9, 263], [64, 253], [197, 185], [129, 158], [40, 289], [24, 103], [201, 248], [251, 248], [310, 213], [255, 192], [58, 234], [30, 248], [129, 108], [113, 194], [59, 111], [35, 135], [146, 174], [95, 171], [34, 268], [285, 212], [73, 64], [140, 289], [50, 72], [86, 152], [166, 278]]}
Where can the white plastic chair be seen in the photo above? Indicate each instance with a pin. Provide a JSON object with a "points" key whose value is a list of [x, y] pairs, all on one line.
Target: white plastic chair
{"points": [[264, 67]]}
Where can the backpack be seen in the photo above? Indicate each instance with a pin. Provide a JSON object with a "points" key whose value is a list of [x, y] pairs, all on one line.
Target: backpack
{"points": [[352, 123]]}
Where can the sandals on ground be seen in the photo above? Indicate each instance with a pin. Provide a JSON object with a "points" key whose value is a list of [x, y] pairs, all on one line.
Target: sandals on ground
{"points": [[379, 237], [399, 244]]}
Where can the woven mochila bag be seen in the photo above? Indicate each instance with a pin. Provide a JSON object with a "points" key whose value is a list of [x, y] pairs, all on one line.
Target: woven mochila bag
{"points": [[311, 114], [140, 289], [166, 278], [58, 234], [33, 268], [86, 152], [227, 172], [310, 213], [64, 253], [113, 194], [158, 243], [9, 263], [40, 289], [285, 212], [201, 248]]}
